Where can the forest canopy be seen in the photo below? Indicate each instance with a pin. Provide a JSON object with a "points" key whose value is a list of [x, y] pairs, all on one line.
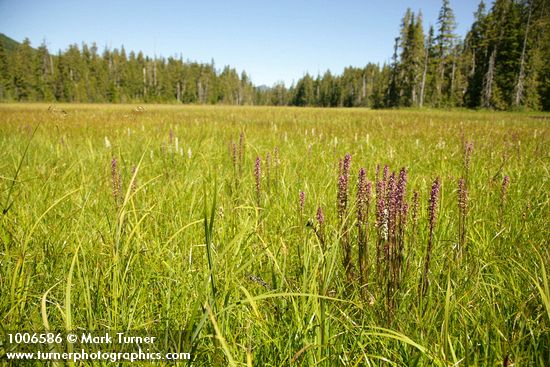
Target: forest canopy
{"points": [[499, 64]]}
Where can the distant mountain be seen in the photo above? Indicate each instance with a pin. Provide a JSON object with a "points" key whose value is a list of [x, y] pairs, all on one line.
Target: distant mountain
{"points": [[263, 88], [8, 43]]}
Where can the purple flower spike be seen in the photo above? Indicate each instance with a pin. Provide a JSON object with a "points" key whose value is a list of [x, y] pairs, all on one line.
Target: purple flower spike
{"points": [[401, 187], [347, 164], [392, 205], [343, 183], [380, 204], [385, 174], [415, 208], [361, 197], [432, 205], [342, 196], [404, 212], [432, 208], [302, 201], [234, 156], [320, 230], [320, 216]]}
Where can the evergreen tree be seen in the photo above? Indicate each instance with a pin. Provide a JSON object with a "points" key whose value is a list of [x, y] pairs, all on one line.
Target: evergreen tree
{"points": [[540, 77], [475, 54], [4, 73], [427, 68], [246, 90], [43, 74], [535, 26], [22, 73], [393, 89], [279, 95], [412, 57], [446, 39], [492, 35], [304, 93], [380, 88]]}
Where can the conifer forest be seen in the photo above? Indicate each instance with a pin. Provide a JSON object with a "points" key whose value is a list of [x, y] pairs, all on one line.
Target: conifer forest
{"points": [[500, 64]]}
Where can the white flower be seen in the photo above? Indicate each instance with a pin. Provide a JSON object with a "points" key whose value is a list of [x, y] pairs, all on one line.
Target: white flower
{"points": [[107, 143], [384, 226]]}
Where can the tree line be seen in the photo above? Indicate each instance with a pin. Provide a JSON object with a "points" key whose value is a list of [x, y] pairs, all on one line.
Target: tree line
{"points": [[501, 63]]}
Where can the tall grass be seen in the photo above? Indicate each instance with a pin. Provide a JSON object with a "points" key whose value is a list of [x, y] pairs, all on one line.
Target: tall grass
{"points": [[204, 235]]}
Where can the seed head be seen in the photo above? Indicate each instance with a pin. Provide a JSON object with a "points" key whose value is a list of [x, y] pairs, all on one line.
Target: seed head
{"points": [[504, 189], [468, 149], [258, 176], [505, 184], [116, 180], [268, 167], [241, 147], [368, 193], [134, 179], [462, 196], [276, 156]]}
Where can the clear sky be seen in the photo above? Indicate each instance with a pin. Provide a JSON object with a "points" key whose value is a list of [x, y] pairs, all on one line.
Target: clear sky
{"points": [[272, 40]]}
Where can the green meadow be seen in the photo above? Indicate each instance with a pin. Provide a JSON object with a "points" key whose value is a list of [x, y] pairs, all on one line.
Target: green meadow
{"points": [[249, 230]]}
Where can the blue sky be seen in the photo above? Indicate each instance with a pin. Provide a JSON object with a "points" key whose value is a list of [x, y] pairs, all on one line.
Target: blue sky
{"points": [[272, 40]]}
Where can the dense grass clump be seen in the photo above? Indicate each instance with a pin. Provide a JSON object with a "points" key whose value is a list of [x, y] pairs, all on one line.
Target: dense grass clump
{"points": [[279, 236]]}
